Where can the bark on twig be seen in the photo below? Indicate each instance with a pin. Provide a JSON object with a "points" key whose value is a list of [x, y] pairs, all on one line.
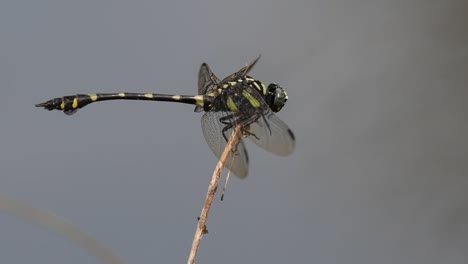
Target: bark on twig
{"points": [[201, 226]]}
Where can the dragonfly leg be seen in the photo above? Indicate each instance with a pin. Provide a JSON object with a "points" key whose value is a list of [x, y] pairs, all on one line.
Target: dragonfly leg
{"points": [[229, 121], [237, 118]]}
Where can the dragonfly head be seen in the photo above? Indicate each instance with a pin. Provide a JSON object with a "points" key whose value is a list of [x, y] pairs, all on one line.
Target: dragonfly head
{"points": [[276, 97]]}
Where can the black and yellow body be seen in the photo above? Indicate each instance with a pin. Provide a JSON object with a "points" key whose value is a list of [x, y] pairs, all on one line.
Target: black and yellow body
{"points": [[70, 104], [236, 100], [237, 95]]}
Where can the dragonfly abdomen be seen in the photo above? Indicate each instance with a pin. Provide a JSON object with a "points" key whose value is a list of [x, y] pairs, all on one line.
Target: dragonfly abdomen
{"points": [[70, 104]]}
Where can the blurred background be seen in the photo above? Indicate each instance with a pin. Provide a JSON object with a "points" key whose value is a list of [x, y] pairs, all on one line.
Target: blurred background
{"points": [[377, 100]]}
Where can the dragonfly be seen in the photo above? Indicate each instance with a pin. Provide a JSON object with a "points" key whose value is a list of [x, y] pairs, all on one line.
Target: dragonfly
{"points": [[237, 100]]}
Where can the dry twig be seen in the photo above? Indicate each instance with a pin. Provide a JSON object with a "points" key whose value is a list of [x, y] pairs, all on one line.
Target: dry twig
{"points": [[201, 226]]}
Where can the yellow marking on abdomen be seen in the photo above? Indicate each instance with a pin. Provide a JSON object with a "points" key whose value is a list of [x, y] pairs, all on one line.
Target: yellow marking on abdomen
{"points": [[93, 97], [225, 86], [232, 83], [75, 103], [199, 100], [249, 79], [121, 94], [176, 97], [148, 95], [62, 105]]}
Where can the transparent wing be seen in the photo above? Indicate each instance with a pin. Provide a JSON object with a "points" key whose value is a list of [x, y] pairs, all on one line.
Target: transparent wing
{"points": [[272, 134], [242, 72], [207, 81], [238, 161]]}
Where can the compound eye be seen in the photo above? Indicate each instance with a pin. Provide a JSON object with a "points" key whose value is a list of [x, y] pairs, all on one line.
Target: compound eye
{"points": [[278, 97], [272, 88]]}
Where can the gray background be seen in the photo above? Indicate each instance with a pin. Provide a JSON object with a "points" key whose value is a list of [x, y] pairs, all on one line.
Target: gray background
{"points": [[378, 95]]}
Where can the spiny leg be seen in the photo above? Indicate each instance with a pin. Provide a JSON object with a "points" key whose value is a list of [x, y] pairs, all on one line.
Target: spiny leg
{"points": [[230, 122]]}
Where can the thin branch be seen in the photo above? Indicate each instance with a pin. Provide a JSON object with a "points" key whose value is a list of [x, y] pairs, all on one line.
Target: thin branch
{"points": [[201, 226], [59, 226]]}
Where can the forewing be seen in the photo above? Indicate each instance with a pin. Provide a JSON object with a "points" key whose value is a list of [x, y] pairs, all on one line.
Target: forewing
{"points": [[242, 72], [238, 161], [272, 134], [207, 81]]}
